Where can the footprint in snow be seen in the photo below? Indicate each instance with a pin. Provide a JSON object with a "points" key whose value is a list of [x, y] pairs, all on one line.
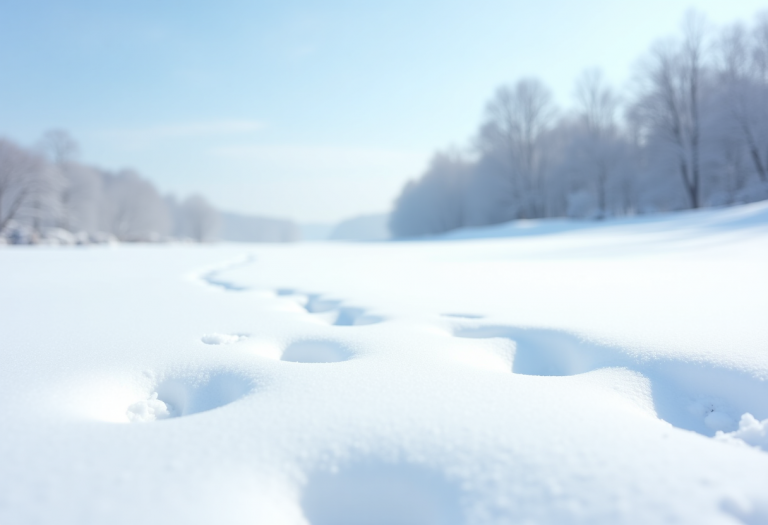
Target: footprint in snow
{"points": [[190, 394], [331, 310], [694, 396], [542, 352], [316, 351]]}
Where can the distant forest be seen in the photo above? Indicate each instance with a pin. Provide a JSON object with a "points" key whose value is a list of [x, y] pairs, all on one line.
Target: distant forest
{"points": [[48, 196], [690, 131]]}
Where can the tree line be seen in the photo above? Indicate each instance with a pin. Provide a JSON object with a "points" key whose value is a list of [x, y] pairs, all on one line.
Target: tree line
{"points": [[48, 195], [690, 131]]}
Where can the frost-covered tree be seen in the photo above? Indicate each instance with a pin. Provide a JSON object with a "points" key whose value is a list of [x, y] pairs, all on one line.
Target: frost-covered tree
{"points": [[598, 148], [133, 209], [49, 195], [198, 219], [517, 120], [434, 203], [694, 133], [741, 111], [23, 180], [669, 109], [78, 188]]}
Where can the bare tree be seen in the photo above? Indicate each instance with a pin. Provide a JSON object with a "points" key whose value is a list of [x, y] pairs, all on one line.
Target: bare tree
{"points": [[517, 119], [742, 64], [671, 106], [597, 105], [759, 63], [759, 52], [597, 102]]}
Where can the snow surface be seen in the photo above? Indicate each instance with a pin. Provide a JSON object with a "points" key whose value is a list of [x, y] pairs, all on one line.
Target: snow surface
{"points": [[548, 372]]}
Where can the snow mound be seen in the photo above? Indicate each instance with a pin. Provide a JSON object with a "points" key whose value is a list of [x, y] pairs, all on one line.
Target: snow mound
{"points": [[148, 410], [750, 431], [222, 339]]}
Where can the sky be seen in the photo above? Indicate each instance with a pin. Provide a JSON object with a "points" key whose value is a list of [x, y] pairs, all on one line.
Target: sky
{"points": [[312, 111]]}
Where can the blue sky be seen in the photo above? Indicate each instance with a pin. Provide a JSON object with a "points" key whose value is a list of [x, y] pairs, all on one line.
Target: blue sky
{"points": [[314, 111]]}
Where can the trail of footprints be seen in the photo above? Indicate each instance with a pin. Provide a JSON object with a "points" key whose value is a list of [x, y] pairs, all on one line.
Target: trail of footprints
{"points": [[183, 395], [697, 397], [191, 393], [332, 311], [692, 396]]}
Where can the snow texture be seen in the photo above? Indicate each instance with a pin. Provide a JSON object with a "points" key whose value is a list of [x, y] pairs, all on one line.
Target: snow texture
{"points": [[750, 431], [553, 373], [148, 410], [221, 339]]}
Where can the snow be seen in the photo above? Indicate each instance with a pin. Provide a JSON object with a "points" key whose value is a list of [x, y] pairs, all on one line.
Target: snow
{"points": [[553, 373], [221, 339], [750, 432], [148, 410]]}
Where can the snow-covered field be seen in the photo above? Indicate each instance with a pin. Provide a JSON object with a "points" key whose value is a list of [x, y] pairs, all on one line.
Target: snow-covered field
{"points": [[546, 372]]}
